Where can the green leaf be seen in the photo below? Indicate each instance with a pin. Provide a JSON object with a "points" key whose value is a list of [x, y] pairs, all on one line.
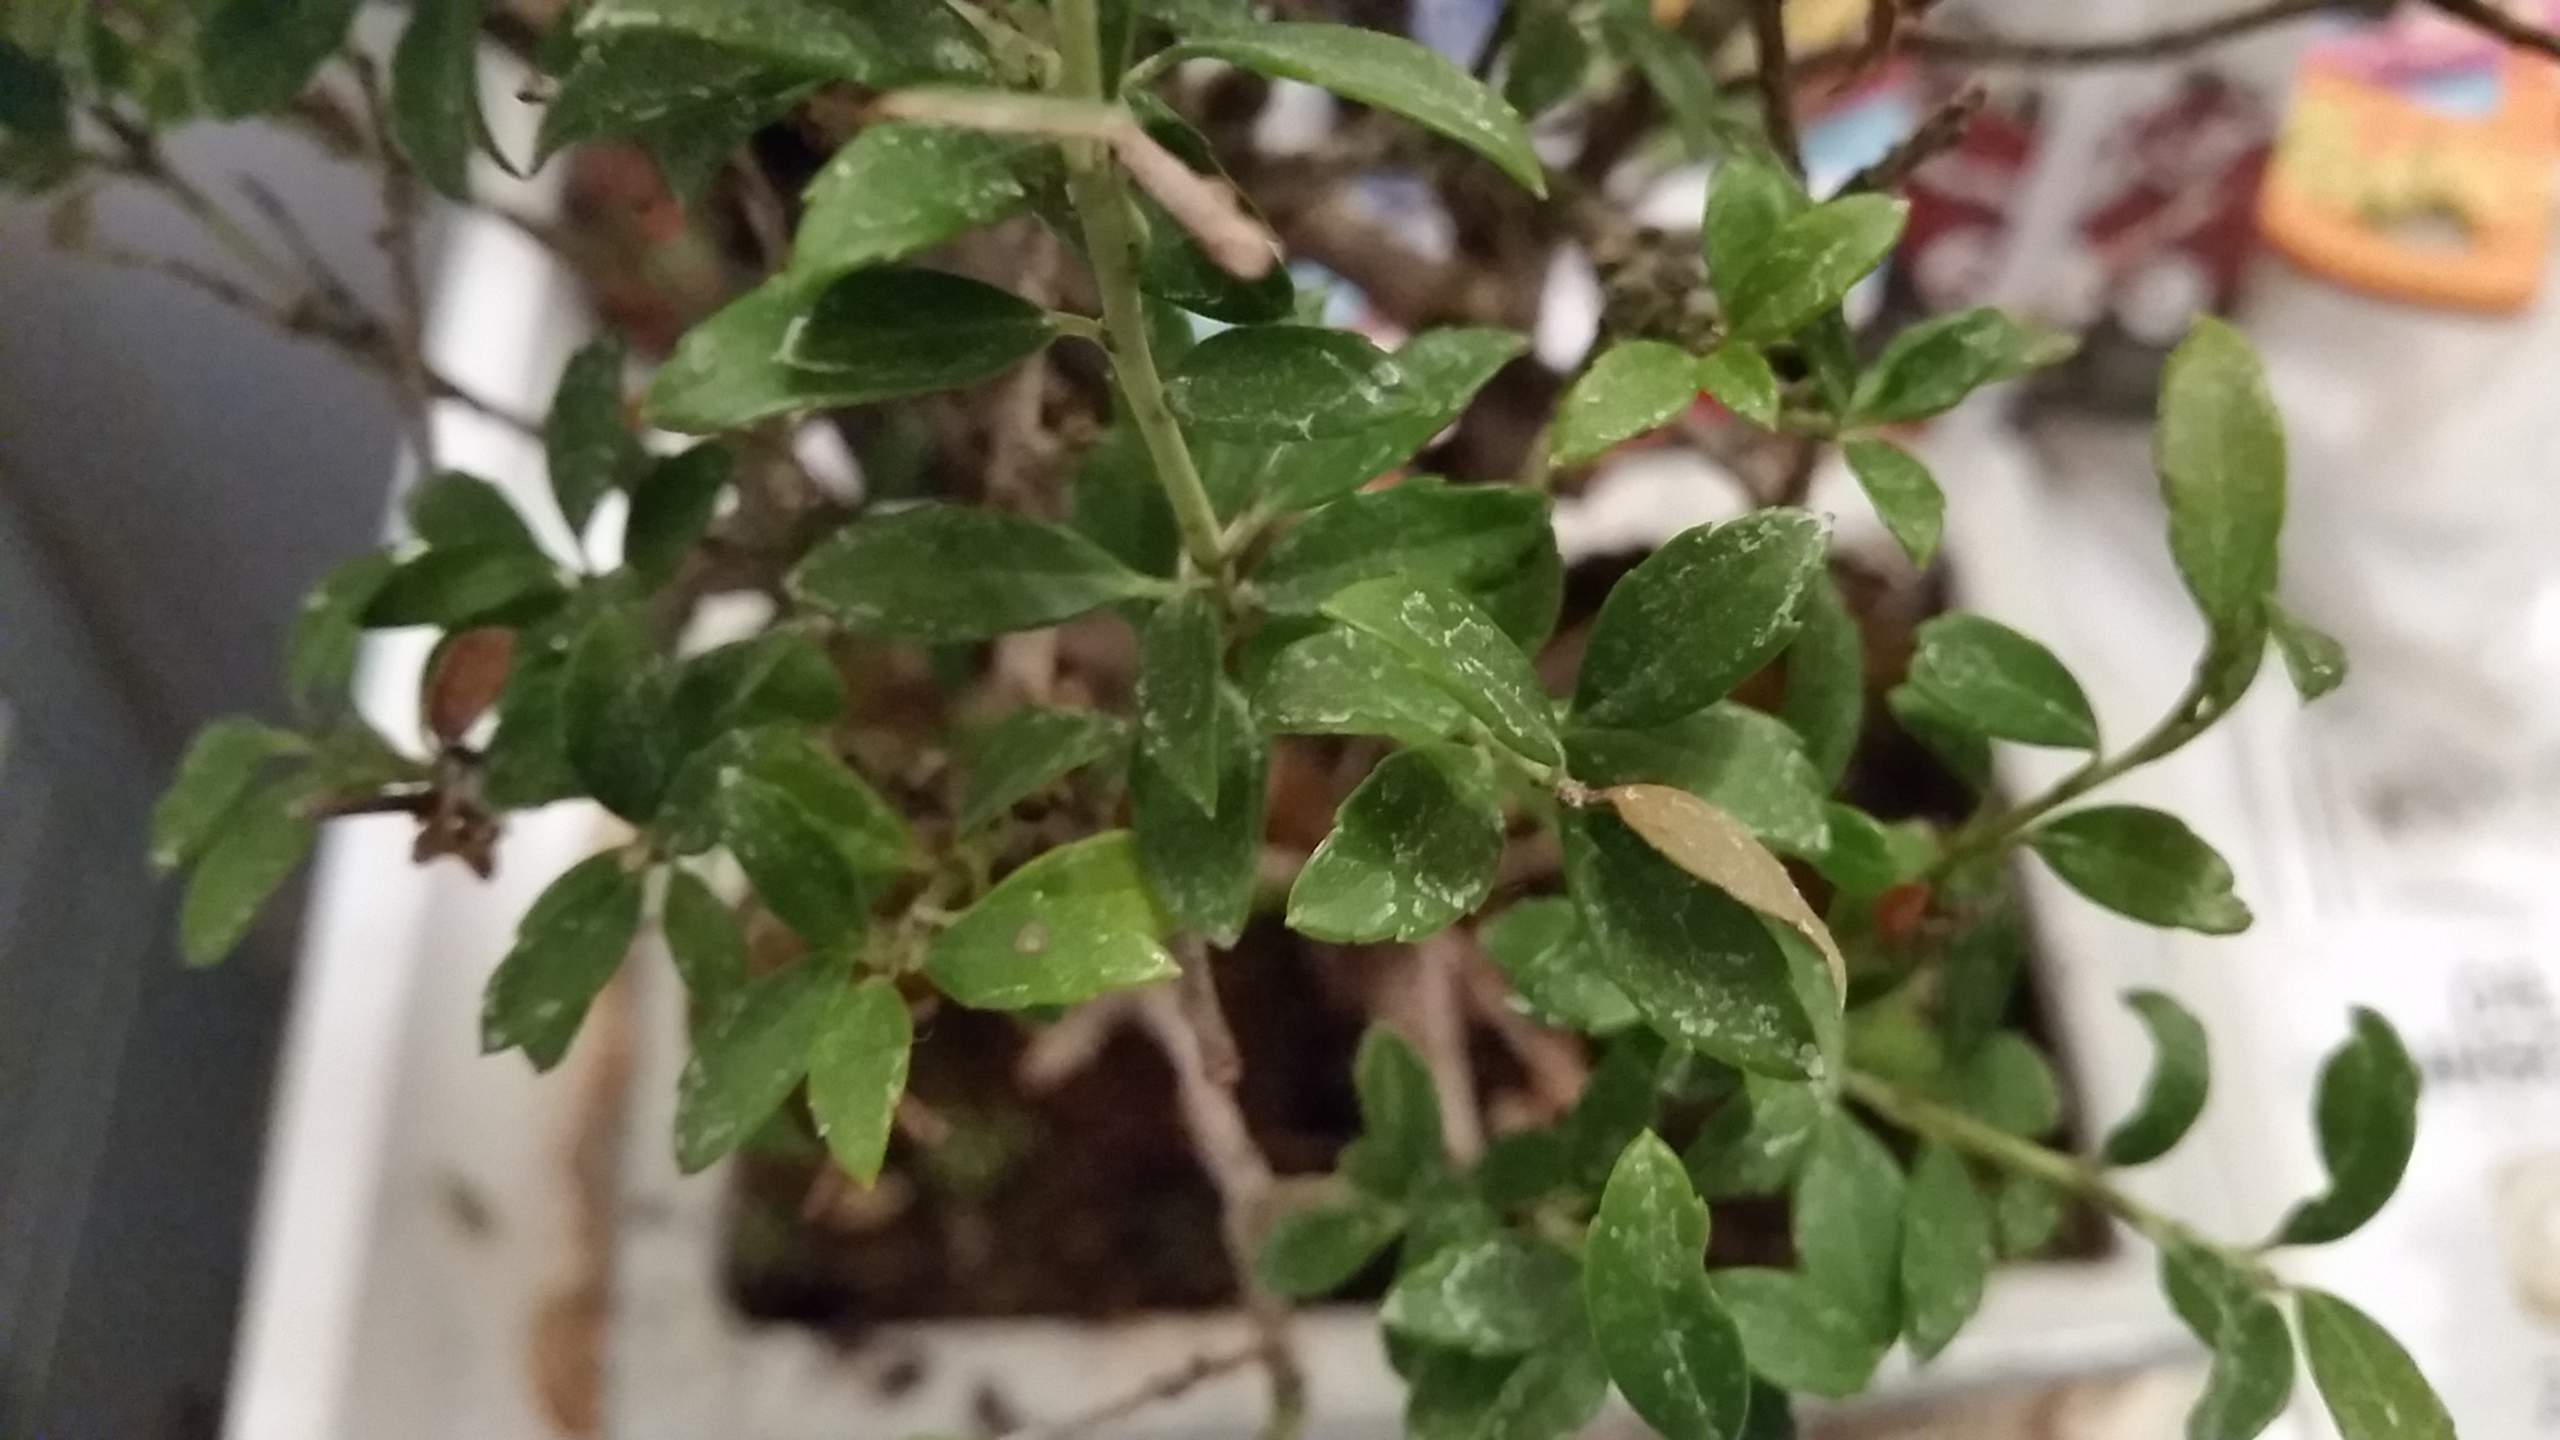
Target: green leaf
{"points": [[704, 939], [1442, 370], [2367, 1116], [781, 677], [1984, 957], [748, 1059], [1808, 265], [1548, 59], [1866, 857], [1905, 494], [898, 190], [1542, 949], [1075, 923], [2181, 1074], [2027, 1213], [2007, 1084], [1450, 1394], [1673, 66], [455, 587], [1964, 752], [948, 572], [897, 330], [1343, 682], [671, 507], [1743, 762], [1389, 72], [1312, 1253], [1756, 1140], [1449, 639], [1848, 1223], [1946, 1250], [1400, 1149], [2373, 1389], [2252, 1374], [1636, 386], [1528, 603], [1700, 965], [795, 862], [1201, 863], [257, 55], [1181, 665], [1669, 1345], [857, 1071], [320, 652], [1458, 536], [1503, 1296], [1714, 847], [1797, 1335], [1025, 753], [691, 103], [2143, 863], [2315, 660], [589, 446], [1739, 378], [613, 716], [848, 816], [1413, 851], [1552, 1394], [1286, 384], [220, 765], [1994, 681], [452, 510], [1931, 367], [1681, 630], [1750, 200], [1175, 267], [260, 838], [435, 92], [528, 760], [1826, 682], [2220, 452], [872, 43], [567, 947]]}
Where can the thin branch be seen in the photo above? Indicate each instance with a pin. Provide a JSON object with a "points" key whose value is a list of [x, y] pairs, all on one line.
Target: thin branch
{"points": [[1942, 131], [399, 240], [1777, 92], [2494, 20], [2160, 44], [1171, 1385]]}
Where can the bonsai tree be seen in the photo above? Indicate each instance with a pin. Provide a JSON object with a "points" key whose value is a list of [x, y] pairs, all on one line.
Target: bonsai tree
{"points": [[1037, 280]]}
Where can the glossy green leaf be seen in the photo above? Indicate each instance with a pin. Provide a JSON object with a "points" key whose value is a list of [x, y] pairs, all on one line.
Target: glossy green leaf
{"points": [[2009, 1085], [1175, 267], [1808, 265], [877, 43], [2027, 1214], [2371, 1386], [948, 572], [1549, 59], [704, 939], [1503, 1296], [1635, 387], [1826, 681], [1413, 850], [789, 854], [2181, 1074], [1668, 1343], [1797, 1335], [1449, 1394], [671, 506], [2313, 658], [1681, 630], [1075, 923], [1025, 753], [1743, 762], [1756, 1140], [1201, 862], [2143, 863], [748, 1058], [1453, 642], [1714, 847], [1677, 70], [586, 439], [858, 1071], [2252, 1375], [1749, 200], [898, 330], [1739, 378], [2221, 455], [1866, 857], [1702, 966], [1905, 494], [257, 55], [1389, 72], [781, 677], [1931, 367], [1965, 753], [851, 818], [1400, 1149], [1313, 1252], [454, 587], [320, 651], [528, 759], [897, 190], [1442, 370], [1848, 1223], [690, 102], [221, 764], [2367, 1116], [1285, 385], [452, 510], [613, 717], [568, 945], [1459, 536], [1541, 948], [435, 92], [1344, 682], [1946, 1250], [1994, 681], [1181, 665], [1551, 1395], [260, 838]]}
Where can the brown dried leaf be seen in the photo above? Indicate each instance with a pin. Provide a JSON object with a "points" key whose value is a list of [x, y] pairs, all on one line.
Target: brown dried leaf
{"points": [[1713, 846]]}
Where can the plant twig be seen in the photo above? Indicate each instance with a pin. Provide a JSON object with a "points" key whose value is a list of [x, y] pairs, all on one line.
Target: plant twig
{"points": [[2163, 44], [1941, 131], [1172, 1384], [1777, 92], [399, 241]]}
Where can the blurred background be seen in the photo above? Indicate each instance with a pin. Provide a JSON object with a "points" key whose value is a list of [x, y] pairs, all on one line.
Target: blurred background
{"points": [[285, 1201]]}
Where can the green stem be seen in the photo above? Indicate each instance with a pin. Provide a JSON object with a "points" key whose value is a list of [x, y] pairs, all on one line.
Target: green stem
{"points": [[1933, 1121], [1112, 241]]}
